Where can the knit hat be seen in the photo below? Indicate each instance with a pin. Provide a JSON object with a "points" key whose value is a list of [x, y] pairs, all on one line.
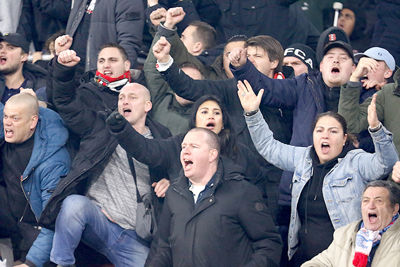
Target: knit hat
{"points": [[330, 38], [302, 52], [15, 39]]}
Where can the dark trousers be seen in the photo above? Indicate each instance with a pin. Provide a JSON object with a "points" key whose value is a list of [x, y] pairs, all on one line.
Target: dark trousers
{"points": [[22, 234]]}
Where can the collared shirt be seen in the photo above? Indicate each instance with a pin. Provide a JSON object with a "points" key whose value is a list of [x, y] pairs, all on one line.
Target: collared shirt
{"points": [[201, 191], [9, 92]]}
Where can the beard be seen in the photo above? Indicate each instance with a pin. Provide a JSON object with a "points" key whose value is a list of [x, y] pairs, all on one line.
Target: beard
{"points": [[10, 70]]}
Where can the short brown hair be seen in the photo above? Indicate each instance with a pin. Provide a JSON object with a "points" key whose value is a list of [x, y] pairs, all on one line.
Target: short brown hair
{"points": [[204, 33], [270, 45]]}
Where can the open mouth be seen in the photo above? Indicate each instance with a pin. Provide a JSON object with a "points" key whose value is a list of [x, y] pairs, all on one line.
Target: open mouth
{"points": [[335, 70], [8, 133], [126, 112], [3, 60], [325, 148], [210, 125], [187, 163], [108, 73], [372, 217]]}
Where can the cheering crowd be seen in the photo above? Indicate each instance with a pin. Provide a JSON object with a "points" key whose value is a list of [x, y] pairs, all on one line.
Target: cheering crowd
{"points": [[199, 133]]}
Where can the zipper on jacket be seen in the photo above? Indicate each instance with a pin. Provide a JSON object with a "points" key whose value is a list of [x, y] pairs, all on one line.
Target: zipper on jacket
{"points": [[27, 199]]}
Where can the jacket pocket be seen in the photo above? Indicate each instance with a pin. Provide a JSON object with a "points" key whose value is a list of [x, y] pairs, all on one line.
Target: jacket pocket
{"points": [[344, 189]]}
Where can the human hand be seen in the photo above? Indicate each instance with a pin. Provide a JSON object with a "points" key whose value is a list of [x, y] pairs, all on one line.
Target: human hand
{"points": [[365, 65], [36, 56], [396, 172], [62, 43], [161, 187], [173, 17], [368, 84], [27, 91], [248, 99], [157, 16], [238, 57], [372, 115], [151, 3], [115, 121], [161, 50], [68, 58]]}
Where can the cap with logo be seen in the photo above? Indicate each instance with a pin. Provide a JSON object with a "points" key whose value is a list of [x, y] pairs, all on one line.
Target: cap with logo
{"points": [[15, 39], [302, 52], [378, 53], [331, 38]]}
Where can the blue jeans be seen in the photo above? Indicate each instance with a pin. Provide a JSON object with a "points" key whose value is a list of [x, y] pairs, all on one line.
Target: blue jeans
{"points": [[80, 218]]}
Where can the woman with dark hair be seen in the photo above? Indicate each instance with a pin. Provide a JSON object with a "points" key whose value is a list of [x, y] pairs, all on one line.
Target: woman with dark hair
{"points": [[329, 176], [208, 112]]}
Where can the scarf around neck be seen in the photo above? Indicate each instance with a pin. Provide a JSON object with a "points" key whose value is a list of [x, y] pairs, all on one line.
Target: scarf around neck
{"points": [[366, 240], [114, 84]]}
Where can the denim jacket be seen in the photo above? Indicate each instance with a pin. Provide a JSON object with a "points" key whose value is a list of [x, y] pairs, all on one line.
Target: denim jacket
{"points": [[343, 184]]}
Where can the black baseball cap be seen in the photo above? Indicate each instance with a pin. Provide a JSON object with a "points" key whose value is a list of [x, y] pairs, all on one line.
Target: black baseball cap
{"points": [[340, 44], [15, 39]]}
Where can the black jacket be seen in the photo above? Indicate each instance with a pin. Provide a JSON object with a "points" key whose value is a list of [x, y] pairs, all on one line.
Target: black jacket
{"points": [[229, 226], [84, 111]]}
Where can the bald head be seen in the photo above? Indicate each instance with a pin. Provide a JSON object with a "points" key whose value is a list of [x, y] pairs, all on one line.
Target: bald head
{"points": [[134, 104], [138, 89], [20, 117], [27, 101]]}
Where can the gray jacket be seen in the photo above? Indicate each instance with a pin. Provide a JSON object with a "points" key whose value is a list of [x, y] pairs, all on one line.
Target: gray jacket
{"points": [[118, 21], [344, 183]]}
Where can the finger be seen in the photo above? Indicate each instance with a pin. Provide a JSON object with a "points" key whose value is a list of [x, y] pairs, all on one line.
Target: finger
{"points": [[248, 87], [153, 184], [241, 88]]}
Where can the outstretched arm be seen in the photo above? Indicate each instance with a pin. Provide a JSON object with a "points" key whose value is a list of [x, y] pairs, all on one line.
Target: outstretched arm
{"points": [[277, 93], [155, 153], [182, 84]]}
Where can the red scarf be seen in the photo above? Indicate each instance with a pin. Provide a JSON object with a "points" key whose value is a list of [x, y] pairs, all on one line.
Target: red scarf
{"points": [[106, 80]]}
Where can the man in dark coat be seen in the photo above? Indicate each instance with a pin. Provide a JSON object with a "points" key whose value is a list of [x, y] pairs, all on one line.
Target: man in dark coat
{"points": [[212, 217], [100, 187]]}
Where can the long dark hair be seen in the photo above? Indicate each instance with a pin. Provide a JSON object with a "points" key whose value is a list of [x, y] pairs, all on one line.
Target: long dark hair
{"points": [[227, 137]]}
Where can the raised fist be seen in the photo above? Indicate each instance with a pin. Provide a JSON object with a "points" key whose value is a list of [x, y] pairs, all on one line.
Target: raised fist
{"points": [[174, 16], [161, 50], [68, 58], [62, 43], [157, 16]]}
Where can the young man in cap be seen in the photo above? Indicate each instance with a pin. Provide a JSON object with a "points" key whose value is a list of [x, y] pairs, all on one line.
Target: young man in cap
{"points": [[377, 65], [300, 57], [15, 72]]}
